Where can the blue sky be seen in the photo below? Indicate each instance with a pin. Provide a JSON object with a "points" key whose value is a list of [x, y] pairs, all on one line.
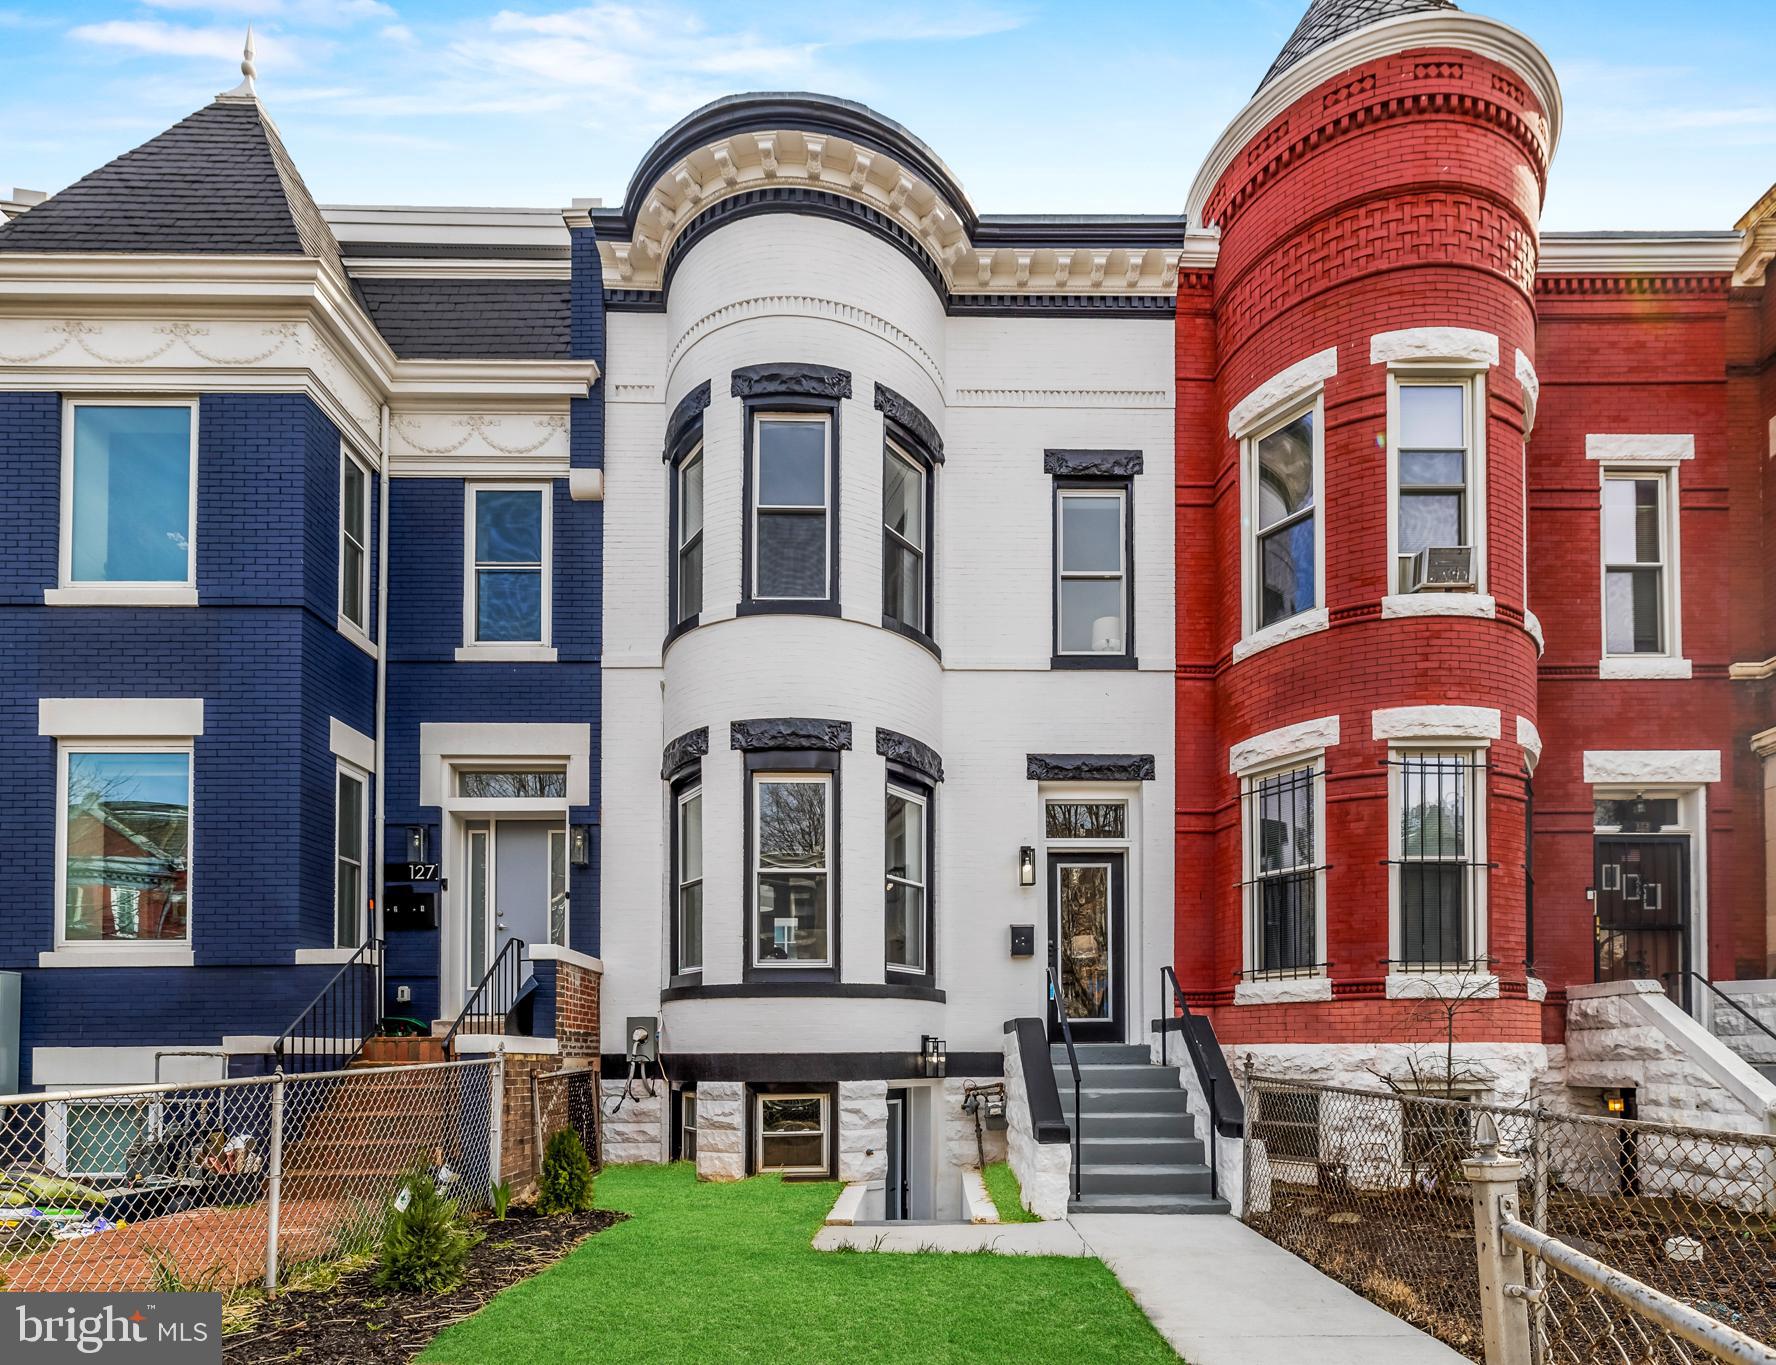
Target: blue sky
{"points": [[1038, 107]]}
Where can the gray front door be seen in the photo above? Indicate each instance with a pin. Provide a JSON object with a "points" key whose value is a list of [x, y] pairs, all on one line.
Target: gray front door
{"points": [[522, 890]]}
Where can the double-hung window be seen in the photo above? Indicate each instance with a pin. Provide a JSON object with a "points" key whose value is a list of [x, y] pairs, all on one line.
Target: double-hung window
{"points": [[688, 575], [1636, 575], [792, 833], [905, 566], [1286, 553], [1284, 871], [349, 842], [1434, 471], [792, 1133], [688, 879], [508, 588], [1439, 879], [1092, 578], [792, 492], [905, 858], [129, 495], [125, 843], [354, 542]]}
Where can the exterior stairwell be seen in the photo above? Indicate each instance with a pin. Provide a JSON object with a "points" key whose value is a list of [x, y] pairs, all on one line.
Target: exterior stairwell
{"points": [[1139, 1147]]}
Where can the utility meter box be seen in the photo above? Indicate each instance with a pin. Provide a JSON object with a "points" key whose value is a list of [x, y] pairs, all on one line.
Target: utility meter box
{"points": [[645, 1049]]}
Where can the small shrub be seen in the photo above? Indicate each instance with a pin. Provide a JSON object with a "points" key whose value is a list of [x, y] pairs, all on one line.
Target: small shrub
{"points": [[566, 1185], [425, 1246], [500, 1196]]}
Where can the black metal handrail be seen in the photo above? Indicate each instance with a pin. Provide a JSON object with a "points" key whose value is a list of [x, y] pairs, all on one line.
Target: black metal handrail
{"points": [[1755, 1022], [495, 996], [1232, 1115], [1060, 1010], [332, 1031]]}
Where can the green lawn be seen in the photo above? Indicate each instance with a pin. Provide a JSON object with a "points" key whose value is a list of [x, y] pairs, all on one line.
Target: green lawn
{"points": [[1008, 1195], [720, 1272]]}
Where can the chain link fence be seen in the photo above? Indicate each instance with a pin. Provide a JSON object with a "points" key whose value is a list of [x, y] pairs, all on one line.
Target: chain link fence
{"points": [[1368, 1186], [567, 1099], [228, 1184]]}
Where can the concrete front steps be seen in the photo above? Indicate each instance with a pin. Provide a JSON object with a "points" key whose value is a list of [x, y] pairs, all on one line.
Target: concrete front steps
{"points": [[1139, 1150]]}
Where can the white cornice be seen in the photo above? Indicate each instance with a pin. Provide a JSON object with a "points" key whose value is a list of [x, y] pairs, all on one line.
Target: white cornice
{"points": [[745, 162], [1758, 227], [1286, 742], [1434, 28], [1707, 253]]}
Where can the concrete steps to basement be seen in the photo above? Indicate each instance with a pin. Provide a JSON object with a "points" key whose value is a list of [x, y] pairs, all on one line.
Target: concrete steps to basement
{"points": [[1139, 1149]]}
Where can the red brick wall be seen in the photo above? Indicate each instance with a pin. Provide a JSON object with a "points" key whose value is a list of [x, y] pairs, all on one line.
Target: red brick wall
{"points": [[576, 1037]]}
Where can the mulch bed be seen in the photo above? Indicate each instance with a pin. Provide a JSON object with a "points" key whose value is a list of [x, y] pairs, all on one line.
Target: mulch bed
{"points": [[358, 1322]]}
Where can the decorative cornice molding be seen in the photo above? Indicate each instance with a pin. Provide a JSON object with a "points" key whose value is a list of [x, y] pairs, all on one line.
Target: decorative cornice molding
{"points": [[1763, 743], [1632, 285], [681, 754], [1759, 245], [685, 424], [910, 753], [902, 411], [1285, 742], [789, 732], [1089, 767], [1109, 464], [1434, 345], [1061, 398], [447, 444], [790, 379], [1281, 391], [1630, 253]]}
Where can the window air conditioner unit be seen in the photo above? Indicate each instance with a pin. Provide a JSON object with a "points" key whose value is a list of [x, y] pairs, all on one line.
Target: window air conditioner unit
{"points": [[1441, 568]]}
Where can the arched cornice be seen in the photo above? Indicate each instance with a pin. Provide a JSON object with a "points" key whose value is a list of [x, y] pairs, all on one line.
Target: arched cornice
{"points": [[1432, 29], [813, 154]]}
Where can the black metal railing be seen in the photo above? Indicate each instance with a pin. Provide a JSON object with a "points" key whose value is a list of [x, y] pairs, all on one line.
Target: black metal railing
{"points": [[1304, 972], [1728, 1000], [1060, 1009], [1227, 1112], [332, 1031], [494, 998]]}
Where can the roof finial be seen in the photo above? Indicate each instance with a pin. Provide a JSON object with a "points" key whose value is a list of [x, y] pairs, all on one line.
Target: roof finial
{"points": [[245, 89]]}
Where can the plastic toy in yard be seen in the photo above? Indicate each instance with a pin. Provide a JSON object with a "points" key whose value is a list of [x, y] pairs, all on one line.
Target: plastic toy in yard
{"points": [[32, 1189]]}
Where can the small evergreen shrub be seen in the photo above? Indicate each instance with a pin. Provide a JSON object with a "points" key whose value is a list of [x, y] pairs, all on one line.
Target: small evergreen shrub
{"points": [[425, 1246], [566, 1185]]}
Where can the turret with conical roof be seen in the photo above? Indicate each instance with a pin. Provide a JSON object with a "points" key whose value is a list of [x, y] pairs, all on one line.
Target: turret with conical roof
{"points": [[1326, 21]]}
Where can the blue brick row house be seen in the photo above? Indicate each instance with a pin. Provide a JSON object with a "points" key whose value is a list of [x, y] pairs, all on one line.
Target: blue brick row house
{"points": [[299, 618]]}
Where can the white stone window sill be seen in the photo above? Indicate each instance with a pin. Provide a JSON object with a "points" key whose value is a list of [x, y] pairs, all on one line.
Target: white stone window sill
{"points": [[1295, 990], [1479, 605], [1442, 986], [309, 957], [553, 952], [505, 654], [100, 595], [356, 635], [133, 955], [1631, 666], [1303, 623]]}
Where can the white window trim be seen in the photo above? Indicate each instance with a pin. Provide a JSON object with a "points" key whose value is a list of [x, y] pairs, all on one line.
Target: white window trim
{"points": [[679, 472], [758, 1110], [828, 512], [1477, 753], [1471, 374], [1658, 460], [116, 718], [758, 870], [1121, 576], [907, 793], [893, 450], [1251, 635], [130, 953], [70, 592], [508, 651], [1311, 760], [358, 634], [690, 793], [362, 778]]}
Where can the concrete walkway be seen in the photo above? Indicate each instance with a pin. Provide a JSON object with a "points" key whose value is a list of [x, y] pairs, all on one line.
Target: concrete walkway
{"points": [[1223, 1295]]}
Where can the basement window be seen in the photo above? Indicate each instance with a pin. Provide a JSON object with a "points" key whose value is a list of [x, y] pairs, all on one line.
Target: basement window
{"points": [[792, 1131]]}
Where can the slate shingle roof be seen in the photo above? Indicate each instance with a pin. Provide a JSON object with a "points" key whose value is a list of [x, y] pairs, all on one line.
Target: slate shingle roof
{"points": [[469, 319], [1328, 20], [218, 182]]}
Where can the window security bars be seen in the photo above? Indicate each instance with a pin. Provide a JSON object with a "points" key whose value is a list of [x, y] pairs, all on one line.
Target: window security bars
{"points": [[229, 1185], [1280, 817], [1369, 1186], [1439, 878]]}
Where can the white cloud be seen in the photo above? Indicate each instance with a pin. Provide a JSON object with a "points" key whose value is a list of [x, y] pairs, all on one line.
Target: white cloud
{"points": [[165, 40], [321, 12]]}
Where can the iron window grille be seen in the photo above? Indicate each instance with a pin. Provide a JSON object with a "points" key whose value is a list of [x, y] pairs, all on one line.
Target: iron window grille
{"points": [[1281, 821], [1439, 877]]}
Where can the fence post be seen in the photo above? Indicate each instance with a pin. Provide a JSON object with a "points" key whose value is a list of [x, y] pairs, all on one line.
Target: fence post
{"points": [[274, 1188], [496, 1117], [1538, 1219], [1251, 1097], [1504, 1309]]}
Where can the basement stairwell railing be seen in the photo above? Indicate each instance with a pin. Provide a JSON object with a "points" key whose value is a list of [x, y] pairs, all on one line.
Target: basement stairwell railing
{"points": [[1060, 1009], [1731, 1003], [332, 1031], [494, 998], [1227, 1112]]}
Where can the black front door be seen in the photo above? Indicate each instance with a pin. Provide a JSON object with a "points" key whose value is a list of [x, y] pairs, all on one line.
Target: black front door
{"points": [[1642, 885], [1087, 933], [896, 1188]]}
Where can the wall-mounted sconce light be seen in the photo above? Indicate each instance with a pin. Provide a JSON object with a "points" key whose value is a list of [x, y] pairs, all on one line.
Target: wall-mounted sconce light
{"points": [[579, 843], [1616, 1103], [416, 843], [934, 1059], [1026, 866]]}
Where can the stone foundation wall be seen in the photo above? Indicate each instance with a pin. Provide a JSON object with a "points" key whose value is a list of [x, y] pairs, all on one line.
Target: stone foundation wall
{"points": [[721, 1130], [1044, 1169], [1758, 998]]}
